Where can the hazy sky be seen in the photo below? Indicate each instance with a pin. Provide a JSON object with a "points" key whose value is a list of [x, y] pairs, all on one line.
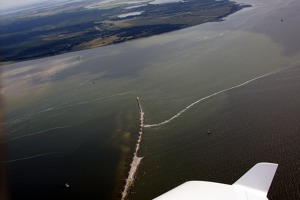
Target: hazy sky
{"points": [[15, 3]]}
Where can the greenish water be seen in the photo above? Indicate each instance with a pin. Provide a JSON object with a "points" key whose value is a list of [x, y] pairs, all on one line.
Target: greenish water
{"points": [[73, 118]]}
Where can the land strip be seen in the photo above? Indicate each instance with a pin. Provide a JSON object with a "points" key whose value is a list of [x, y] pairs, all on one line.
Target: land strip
{"points": [[135, 160]]}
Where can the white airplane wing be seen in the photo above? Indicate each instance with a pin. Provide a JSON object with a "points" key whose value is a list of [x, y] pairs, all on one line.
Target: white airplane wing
{"points": [[258, 178], [254, 185]]}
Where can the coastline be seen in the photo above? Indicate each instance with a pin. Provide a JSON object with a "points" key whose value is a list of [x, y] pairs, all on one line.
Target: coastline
{"points": [[138, 29]]}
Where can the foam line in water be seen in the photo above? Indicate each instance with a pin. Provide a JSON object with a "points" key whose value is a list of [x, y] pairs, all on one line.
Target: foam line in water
{"points": [[37, 133], [31, 115], [214, 94], [95, 100], [31, 157]]}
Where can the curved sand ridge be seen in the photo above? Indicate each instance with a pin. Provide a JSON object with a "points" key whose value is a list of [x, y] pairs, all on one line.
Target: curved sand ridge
{"points": [[135, 160], [216, 93]]}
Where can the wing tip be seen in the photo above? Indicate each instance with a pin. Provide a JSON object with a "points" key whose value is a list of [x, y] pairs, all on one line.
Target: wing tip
{"points": [[259, 177]]}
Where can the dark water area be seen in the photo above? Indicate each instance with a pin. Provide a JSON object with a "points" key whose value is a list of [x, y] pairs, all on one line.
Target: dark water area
{"points": [[85, 155], [45, 177], [268, 112], [258, 122]]}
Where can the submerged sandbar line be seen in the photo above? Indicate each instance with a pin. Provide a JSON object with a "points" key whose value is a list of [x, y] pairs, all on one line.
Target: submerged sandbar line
{"points": [[216, 93], [135, 160]]}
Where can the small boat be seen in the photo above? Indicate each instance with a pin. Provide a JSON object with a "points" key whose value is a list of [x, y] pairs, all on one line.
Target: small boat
{"points": [[208, 131], [67, 185]]}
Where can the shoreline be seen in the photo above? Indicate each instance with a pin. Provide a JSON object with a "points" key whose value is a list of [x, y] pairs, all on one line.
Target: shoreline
{"points": [[135, 160], [113, 39]]}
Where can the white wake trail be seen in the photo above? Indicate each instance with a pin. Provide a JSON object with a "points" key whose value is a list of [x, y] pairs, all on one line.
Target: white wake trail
{"points": [[37, 133], [96, 100], [29, 116], [31, 157], [214, 94]]}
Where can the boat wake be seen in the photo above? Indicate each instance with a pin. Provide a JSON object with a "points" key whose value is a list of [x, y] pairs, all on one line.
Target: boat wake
{"points": [[31, 157], [37, 133], [62, 106], [216, 93]]}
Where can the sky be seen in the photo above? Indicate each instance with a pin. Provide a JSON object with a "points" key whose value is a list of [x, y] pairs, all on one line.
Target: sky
{"points": [[14, 3]]}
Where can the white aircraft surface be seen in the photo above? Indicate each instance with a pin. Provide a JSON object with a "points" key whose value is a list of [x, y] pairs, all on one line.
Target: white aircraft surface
{"points": [[254, 185]]}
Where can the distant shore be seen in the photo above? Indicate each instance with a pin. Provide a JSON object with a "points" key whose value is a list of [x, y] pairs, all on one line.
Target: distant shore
{"points": [[45, 36]]}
